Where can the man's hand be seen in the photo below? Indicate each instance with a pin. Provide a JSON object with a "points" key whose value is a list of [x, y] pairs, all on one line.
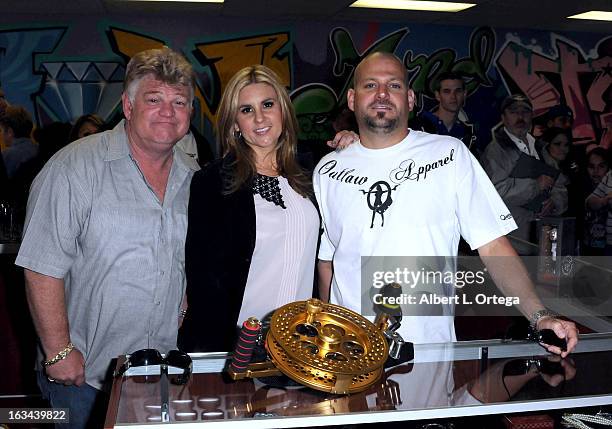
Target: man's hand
{"points": [[68, 371], [595, 203], [547, 207], [343, 139], [563, 329], [511, 277], [545, 182], [569, 371]]}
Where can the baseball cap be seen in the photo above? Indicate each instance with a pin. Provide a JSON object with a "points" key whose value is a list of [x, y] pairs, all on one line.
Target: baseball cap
{"points": [[560, 110], [516, 99]]}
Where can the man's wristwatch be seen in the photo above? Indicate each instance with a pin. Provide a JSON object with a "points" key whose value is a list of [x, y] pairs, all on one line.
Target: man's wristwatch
{"points": [[535, 317]]}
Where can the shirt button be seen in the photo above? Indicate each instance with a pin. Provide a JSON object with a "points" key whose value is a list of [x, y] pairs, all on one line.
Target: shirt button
{"points": [[157, 302], [161, 273]]}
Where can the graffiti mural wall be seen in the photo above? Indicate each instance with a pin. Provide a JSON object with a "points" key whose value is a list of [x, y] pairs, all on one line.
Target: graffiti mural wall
{"points": [[316, 62]]}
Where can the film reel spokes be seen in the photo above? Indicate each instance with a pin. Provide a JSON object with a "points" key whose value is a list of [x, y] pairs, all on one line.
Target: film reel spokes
{"points": [[326, 347]]}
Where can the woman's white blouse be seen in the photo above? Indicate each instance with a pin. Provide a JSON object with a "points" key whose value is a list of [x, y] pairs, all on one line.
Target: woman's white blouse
{"points": [[282, 266]]}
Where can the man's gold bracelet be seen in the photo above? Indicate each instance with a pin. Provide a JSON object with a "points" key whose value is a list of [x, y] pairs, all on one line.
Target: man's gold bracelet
{"points": [[63, 354]]}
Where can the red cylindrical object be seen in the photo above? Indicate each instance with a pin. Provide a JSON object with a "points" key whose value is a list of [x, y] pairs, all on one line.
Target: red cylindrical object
{"points": [[246, 343]]}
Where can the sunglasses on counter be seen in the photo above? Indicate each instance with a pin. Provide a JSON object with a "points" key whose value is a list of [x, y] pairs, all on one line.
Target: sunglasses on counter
{"points": [[524, 366], [151, 357]]}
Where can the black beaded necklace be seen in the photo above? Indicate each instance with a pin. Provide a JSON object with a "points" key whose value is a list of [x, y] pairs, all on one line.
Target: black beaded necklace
{"points": [[269, 189]]}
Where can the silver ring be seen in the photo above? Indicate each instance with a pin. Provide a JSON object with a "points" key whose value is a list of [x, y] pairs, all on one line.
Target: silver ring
{"points": [[52, 380]]}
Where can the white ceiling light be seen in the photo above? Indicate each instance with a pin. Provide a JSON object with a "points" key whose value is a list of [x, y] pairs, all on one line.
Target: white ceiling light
{"points": [[183, 1], [434, 6], [598, 15]]}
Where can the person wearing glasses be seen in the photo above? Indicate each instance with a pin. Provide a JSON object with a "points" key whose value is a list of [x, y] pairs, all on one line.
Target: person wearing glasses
{"points": [[253, 227], [103, 245]]}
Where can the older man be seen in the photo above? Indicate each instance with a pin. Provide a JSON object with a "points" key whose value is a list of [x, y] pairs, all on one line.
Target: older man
{"points": [[400, 192], [527, 186], [103, 242]]}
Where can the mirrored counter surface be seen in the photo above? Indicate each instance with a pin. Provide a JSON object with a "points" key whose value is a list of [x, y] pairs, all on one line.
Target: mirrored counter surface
{"points": [[443, 381]]}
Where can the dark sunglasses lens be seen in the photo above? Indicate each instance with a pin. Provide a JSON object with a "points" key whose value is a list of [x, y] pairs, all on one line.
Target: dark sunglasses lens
{"points": [[178, 359], [146, 357], [142, 357]]}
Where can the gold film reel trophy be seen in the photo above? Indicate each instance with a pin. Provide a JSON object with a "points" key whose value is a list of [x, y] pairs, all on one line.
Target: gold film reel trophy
{"points": [[323, 346]]}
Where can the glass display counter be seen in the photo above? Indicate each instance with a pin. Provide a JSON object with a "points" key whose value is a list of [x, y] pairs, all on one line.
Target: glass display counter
{"points": [[443, 381], [9, 247]]}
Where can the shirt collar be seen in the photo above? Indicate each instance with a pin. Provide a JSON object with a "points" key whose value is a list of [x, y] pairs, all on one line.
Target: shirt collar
{"points": [[118, 147], [527, 148], [185, 161], [454, 131]]}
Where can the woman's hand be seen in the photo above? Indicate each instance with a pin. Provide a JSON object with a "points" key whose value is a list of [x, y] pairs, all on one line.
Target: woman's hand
{"points": [[343, 139]]}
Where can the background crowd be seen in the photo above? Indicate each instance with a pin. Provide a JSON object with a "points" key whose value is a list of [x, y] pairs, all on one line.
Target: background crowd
{"points": [[577, 182]]}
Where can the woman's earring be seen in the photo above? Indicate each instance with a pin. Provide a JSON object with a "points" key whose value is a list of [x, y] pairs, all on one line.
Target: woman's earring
{"points": [[237, 135]]}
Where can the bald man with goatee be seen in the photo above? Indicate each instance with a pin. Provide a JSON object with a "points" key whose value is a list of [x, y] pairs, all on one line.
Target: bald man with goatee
{"points": [[410, 194]]}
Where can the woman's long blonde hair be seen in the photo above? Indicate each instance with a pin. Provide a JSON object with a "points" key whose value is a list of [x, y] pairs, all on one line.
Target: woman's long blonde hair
{"points": [[243, 168]]}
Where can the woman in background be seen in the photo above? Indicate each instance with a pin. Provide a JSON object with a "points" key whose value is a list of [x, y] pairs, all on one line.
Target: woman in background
{"points": [[253, 228], [594, 223], [557, 144], [601, 199], [86, 125]]}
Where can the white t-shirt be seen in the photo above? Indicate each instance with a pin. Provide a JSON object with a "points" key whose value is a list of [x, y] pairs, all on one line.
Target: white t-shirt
{"points": [[282, 266], [415, 198]]}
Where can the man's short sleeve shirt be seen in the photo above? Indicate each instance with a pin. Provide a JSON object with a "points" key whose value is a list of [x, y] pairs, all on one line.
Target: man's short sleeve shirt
{"points": [[93, 221], [415, 198]]}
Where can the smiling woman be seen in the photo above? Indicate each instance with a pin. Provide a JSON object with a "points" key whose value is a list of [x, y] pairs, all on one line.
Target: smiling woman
{"points": [[253, 228], [260, 121]]}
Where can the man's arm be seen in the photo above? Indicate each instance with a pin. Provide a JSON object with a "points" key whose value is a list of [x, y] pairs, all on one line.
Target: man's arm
{"points": [[595, 203], [325, 272], [514, 191], [48, 308], [602, 194], [511, 277]]}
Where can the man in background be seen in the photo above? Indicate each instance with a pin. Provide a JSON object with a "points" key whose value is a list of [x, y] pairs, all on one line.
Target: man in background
{"points": [[526, 184], [16, 127], [446, 119]]}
